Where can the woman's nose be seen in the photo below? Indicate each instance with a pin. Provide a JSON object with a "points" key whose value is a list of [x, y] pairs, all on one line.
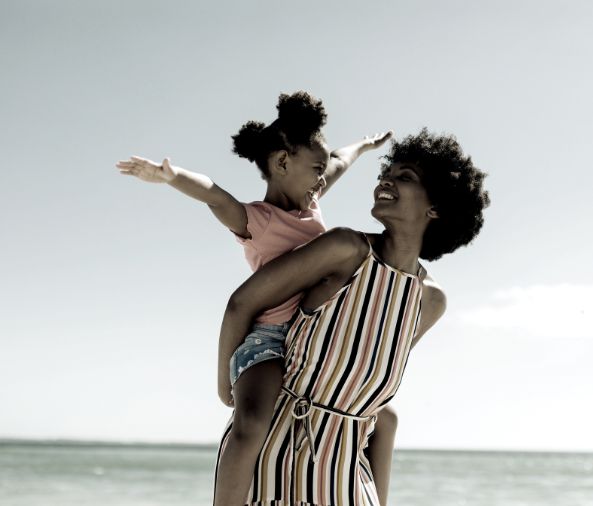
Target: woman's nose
{"points": [[388, 183], [322, 181]]}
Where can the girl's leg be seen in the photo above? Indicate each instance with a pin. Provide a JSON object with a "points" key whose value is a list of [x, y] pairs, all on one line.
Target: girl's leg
{"points": [[255, 394], [380, 451]]}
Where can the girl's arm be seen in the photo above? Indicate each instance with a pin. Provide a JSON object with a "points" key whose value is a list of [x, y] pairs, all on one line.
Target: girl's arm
{"points": [[227, 209], [341, 159], [334, 255]]}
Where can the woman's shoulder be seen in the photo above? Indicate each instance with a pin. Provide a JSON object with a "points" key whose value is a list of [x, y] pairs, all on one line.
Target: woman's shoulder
{"points": [[351, 242], [339, 249], [434, 303], [434, 299]]}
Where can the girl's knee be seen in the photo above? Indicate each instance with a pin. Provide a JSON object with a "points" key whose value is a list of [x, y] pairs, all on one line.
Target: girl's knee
{"points": [[251, 424]]}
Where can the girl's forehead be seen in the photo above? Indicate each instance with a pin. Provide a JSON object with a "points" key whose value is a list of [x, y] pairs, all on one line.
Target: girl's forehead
{"points": [[317, 151]]}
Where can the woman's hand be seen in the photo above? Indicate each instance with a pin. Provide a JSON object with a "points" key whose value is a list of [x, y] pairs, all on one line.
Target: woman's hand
{"points": [[225, 392], [147, 170]]}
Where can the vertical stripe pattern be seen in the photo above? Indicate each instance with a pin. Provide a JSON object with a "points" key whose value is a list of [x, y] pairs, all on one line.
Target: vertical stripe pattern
{"points": [[349, 354]]}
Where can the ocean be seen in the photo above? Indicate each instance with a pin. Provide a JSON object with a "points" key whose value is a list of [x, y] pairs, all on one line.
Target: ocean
{"points": [[89, 474]]}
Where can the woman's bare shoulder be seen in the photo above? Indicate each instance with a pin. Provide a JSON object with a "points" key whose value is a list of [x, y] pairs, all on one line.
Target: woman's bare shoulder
{"points": [[434, 303], [345, 243], [335, 255], [433, 296]]}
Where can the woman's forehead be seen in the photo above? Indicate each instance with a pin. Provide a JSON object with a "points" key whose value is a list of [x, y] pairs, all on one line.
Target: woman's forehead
{"points": [[397, 167]]}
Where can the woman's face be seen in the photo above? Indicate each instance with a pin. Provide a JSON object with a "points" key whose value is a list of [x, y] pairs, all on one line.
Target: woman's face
{"points": [[401, 196]]}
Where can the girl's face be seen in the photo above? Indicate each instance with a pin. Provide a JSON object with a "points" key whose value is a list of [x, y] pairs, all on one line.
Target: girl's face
{"points": [[304, 179], [401, 195]]}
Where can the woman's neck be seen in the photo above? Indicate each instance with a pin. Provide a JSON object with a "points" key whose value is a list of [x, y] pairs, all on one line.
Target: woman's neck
{"points": [[400, 250]]}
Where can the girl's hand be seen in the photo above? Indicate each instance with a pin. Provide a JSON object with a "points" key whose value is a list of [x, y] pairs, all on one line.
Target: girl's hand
{"points": [[377, 140], [147, 170]]}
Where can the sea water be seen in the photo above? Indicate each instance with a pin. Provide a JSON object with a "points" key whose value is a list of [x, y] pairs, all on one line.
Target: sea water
{"points": [[75, 474]]}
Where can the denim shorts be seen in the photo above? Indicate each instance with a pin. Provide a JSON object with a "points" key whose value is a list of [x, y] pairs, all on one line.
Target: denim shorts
{"points": [[264, 342]]}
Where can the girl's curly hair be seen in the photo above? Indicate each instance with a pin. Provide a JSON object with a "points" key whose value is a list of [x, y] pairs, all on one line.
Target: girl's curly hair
{"points": [[300, 119], [454, 186]]}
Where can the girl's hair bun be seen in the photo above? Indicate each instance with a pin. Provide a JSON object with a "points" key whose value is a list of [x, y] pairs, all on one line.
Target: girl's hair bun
{"points": [[300, 118], [300, 115], [247, 143]]}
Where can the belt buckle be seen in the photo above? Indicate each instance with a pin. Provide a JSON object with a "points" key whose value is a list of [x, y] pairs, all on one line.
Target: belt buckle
{"points": [[300, 402]]}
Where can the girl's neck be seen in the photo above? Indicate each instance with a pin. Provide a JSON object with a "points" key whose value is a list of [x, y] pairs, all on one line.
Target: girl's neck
{"points": [[277, 198], [400, 250]]}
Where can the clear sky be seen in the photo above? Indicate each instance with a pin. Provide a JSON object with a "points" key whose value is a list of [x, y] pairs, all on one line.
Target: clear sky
{"points": [[112, 290]]}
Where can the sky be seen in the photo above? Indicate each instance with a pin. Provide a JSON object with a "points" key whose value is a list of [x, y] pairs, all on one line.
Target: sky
{"points": [[112, 290]]}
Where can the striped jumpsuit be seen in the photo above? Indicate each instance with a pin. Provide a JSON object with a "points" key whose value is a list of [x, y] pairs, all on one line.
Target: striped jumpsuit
{"points": [[344, 361]]}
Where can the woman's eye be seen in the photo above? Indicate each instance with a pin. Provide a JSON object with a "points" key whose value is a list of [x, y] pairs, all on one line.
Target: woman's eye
{"points": [[405, 177]]}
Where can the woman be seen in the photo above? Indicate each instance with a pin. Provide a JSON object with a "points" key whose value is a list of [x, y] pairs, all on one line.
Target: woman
{"points": [[368, 301]]}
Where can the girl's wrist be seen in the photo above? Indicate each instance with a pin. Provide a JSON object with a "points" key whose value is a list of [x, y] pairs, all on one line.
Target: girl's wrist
{"points": [[169, 178]]}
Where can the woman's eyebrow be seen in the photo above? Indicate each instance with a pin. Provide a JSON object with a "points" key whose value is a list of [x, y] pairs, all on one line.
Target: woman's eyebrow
{"points": [[409, 167]]}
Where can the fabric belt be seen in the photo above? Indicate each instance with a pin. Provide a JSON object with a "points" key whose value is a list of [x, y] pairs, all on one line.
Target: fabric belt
{"points": [[301, 410]]}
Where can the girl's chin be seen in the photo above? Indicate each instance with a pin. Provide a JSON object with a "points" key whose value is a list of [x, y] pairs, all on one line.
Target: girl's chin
{"points": [[306, 202]]}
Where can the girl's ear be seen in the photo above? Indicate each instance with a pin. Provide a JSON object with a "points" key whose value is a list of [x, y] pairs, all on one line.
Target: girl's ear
{"points": [[278, 162], [432, 213]]}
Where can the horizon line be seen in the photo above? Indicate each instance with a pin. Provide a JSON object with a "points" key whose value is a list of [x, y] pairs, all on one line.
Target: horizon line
{"points": [[7, 441]]}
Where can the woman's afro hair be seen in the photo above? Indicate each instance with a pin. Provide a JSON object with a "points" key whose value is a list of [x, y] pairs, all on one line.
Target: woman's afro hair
{"points": [[454, 187], [300, 119]]}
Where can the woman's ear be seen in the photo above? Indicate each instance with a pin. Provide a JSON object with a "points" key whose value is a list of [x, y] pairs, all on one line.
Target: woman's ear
{"points": [[432, 213], [278, 162]]}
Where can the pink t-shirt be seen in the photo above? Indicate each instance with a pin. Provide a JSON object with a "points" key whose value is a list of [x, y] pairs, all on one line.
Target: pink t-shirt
{"points": [[274, 232]]}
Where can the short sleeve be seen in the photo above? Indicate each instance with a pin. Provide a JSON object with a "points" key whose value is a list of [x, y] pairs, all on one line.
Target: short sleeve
{"points": [[258, 218]]}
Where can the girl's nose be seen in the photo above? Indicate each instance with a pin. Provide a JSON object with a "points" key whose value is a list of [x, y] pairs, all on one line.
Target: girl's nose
{"points": [[386, 182], [322, 182]]}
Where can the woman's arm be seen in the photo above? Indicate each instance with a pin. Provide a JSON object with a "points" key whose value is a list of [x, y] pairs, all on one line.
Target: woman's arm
{"points": [[227, 209], [333, 255], [342, 158], [434, 303], [380, 451]]}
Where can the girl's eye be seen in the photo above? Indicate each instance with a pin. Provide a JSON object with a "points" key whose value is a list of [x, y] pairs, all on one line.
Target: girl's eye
{"points": [[405, 177]]}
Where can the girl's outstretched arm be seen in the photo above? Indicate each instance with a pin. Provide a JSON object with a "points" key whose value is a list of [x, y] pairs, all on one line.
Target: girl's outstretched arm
{"points": [[227, 209], [342, 158]]}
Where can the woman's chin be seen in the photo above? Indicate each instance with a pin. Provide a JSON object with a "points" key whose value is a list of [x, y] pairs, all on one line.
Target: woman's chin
{"points": [[381, 214], [376, 211]]}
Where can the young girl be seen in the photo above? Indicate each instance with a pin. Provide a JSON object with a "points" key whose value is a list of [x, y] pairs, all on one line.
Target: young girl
{"points": [[294, 160]]}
